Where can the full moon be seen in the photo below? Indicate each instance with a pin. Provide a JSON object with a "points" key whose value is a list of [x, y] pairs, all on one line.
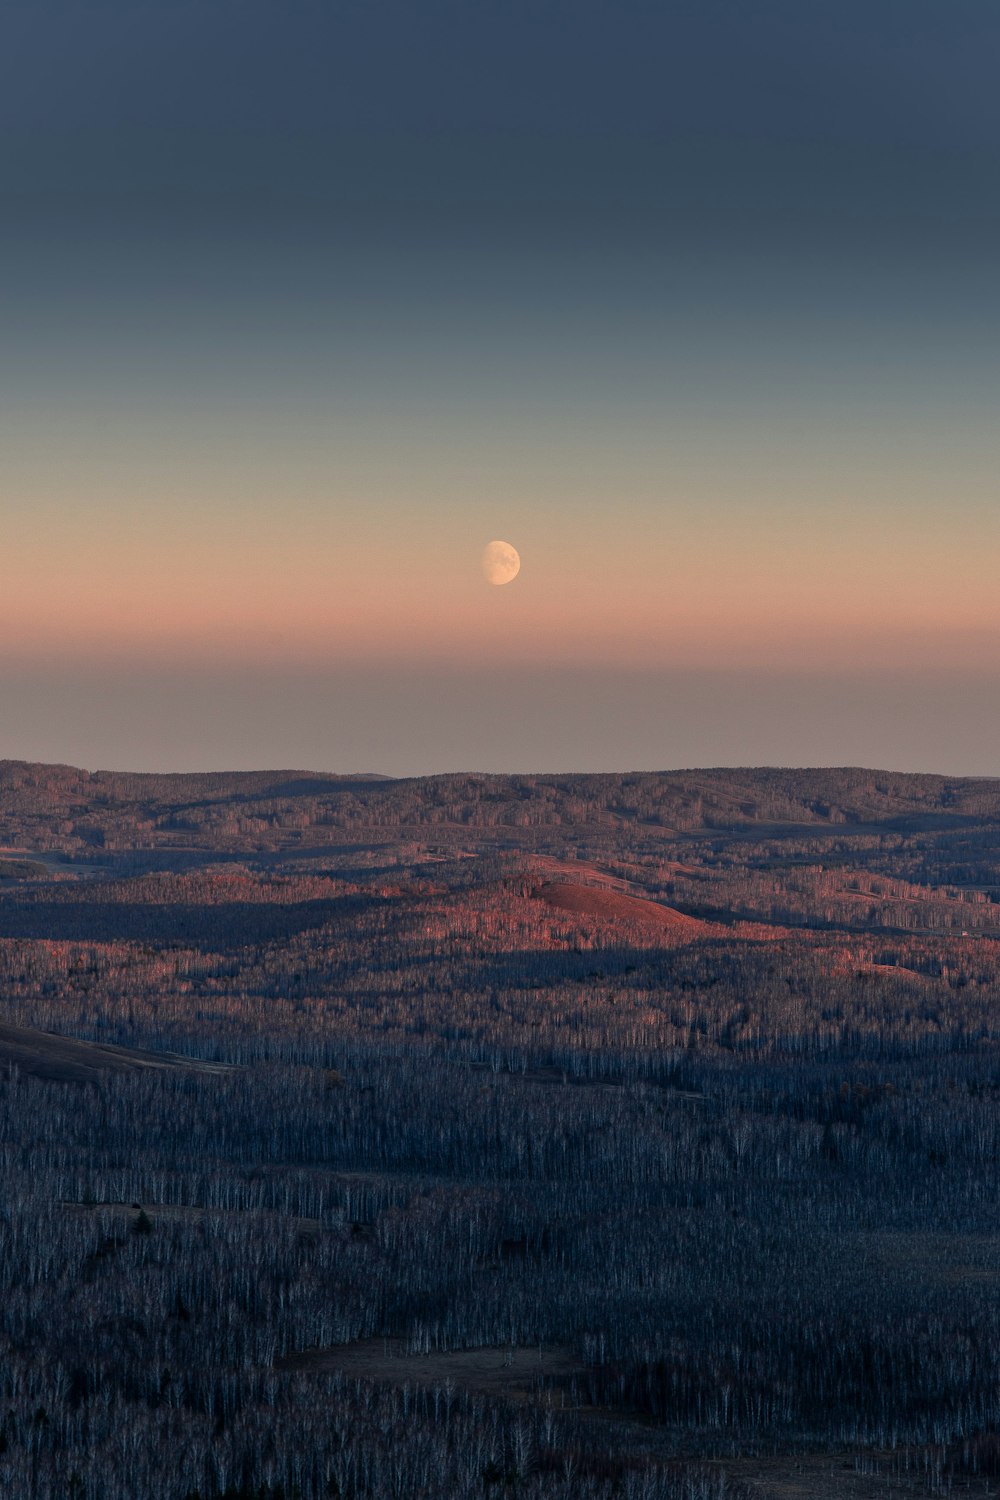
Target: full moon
{"points": [[501, 562]]}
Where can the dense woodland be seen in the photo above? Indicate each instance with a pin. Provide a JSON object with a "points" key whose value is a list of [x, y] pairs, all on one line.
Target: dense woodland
{"points": [[679, 1093]]}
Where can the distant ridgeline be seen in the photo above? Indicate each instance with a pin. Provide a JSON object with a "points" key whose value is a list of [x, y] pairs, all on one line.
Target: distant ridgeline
{"points": [[48, 807]]}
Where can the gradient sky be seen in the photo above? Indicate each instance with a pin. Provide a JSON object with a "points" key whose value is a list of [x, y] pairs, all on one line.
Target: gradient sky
{"points": [[695, 303]]}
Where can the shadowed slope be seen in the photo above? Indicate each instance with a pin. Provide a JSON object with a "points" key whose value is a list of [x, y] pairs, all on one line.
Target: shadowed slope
{"points": [[66, 1060]]}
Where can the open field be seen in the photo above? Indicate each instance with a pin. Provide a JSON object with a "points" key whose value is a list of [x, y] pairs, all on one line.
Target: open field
{"points": [[612, 906], [836, 1477], [177, 1213], [510, 1373]]}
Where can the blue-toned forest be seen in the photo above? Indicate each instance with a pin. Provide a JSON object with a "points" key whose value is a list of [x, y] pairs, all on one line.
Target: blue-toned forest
{"points": [[499, 1136]]}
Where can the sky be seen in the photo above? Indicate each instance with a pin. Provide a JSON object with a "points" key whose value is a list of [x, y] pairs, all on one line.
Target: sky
{"points": [[693, 303]]}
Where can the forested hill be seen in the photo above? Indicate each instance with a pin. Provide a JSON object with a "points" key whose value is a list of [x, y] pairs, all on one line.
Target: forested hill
{"points": [[499, 1137], [60, 807]]}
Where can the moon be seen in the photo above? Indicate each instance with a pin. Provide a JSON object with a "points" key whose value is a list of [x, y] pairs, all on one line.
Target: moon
{"points": [[501, 562]]}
